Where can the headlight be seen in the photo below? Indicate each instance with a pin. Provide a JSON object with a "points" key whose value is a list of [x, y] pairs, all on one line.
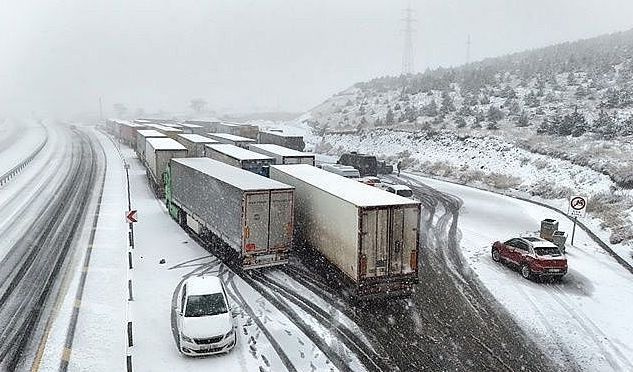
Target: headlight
{"points": [[229, 333], [185, 338]]}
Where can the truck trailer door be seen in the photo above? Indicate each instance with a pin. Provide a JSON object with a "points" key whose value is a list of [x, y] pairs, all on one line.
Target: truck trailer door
{"points": [[256, 215], [281, 208], [404, 238], [375, 241], [396, 243]]}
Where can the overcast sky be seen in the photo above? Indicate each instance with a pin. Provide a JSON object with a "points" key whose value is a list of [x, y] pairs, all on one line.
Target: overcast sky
{"points": [[60, 56]]}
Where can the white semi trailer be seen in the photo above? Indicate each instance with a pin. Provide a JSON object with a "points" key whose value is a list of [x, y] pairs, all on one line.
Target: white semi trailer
{"points": [[194, 144], [369, 235], [283, 155], [158, 152]]}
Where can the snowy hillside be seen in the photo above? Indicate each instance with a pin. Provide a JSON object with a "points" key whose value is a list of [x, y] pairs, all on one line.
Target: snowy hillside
{"points": [[550, 123]]}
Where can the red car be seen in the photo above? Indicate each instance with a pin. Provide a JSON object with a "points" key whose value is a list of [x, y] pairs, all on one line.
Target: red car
{"points": [[534, 256]]}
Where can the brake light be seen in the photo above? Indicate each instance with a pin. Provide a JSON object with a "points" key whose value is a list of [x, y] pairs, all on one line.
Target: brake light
{"points": [[363, 265], [413, 260]]}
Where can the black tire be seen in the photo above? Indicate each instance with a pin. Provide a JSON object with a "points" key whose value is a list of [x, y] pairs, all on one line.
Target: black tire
{"points": [[496, 256], [526, 272]]}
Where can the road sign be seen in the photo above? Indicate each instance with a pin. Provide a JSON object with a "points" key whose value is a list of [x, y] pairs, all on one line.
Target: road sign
{"points": [[577, 206], [131, 216]]}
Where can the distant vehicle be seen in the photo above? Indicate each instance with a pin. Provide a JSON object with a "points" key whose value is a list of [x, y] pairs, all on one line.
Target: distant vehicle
{"points": [[366, 164], [342, 170], [402, 190], [240, 157], [534, 256], [282, 139], [283, 155], [231, 139], [158, 152], [371, 181], [204, 321]]}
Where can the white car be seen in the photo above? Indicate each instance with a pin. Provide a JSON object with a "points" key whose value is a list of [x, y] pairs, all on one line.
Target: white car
{"points": [[401, 190], [204, 321]]}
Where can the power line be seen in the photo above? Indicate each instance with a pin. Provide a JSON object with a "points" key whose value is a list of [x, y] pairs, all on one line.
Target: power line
{"points": [[407, 56]]}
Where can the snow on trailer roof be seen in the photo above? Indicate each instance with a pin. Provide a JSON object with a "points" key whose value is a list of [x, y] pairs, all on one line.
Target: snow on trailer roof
{"points": [[150, 133], [165, 144], [188, 125], [350, 190], [232, 137], [197, 138], [280, 150], [237, 152], [131, 125], [281, 134], [240, 178], [170, 129]]}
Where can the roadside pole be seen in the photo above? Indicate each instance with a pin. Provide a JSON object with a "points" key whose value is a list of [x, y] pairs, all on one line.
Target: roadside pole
{"points": [[577, 208], [129, 203]]}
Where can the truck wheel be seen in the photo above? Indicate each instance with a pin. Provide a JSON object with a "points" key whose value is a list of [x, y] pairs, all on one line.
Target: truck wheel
{"points": [[496, 256], [526, 272]]}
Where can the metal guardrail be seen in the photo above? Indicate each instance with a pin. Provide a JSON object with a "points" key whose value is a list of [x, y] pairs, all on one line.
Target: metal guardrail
{"points": [[18, 168]]}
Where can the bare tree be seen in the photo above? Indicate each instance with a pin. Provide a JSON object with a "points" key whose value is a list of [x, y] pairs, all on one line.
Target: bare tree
{"points": [[197, 105]]}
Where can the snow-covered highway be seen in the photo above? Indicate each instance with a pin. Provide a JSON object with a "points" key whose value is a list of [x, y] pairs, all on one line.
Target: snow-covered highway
{"points": [[44, 207]]}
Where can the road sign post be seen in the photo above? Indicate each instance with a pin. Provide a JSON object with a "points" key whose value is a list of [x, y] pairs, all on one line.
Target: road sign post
{"points": [[130, 215], [577, 208]]}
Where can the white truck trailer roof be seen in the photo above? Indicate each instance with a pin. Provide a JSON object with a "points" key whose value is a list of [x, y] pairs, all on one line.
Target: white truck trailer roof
{"points": [[352, 191], [150, 133], [231, 137], [196, 138], [239, 178], [281, 134], [165, 144], [280, 150], [237, 152]]}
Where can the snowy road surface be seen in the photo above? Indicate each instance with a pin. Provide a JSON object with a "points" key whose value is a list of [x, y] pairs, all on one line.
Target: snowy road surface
{"points": [[585, 321], [44, 210]]}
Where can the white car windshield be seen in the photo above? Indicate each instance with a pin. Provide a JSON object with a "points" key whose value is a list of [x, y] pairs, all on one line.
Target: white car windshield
{"points": [[205, 305]]}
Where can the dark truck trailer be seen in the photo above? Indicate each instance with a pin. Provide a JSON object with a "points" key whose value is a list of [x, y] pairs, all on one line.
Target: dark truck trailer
{"points": [[127, 133], [194, 144], [367, 165], [240, 158], [252, 215], [369, 235], [282, 139]]}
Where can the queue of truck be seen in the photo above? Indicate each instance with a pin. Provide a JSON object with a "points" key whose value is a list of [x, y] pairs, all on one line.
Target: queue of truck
{"points": [[258, 204]]}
